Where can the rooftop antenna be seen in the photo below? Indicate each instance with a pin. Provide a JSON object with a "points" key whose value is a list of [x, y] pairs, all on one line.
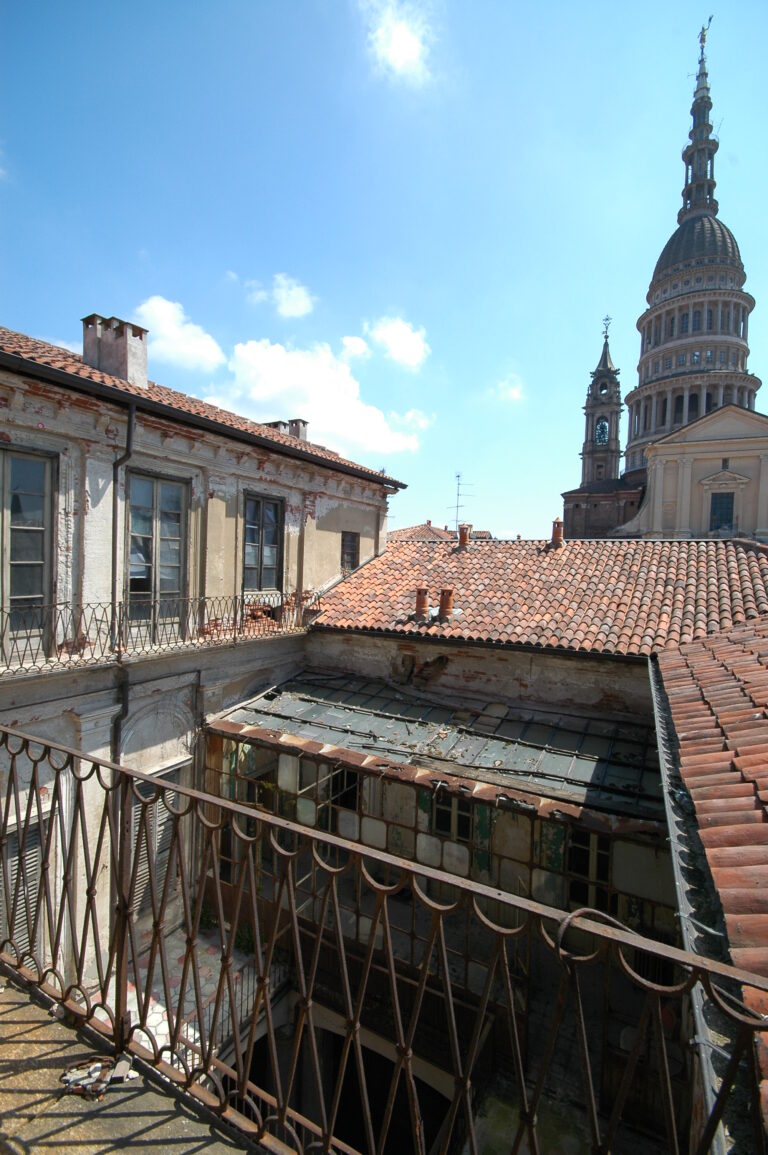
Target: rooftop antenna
{"points": [[460, 492]]}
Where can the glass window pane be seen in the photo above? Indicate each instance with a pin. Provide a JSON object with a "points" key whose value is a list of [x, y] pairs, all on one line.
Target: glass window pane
{"points": [[268, 578], [270, 514], [141, 491], [170, 524], [170, 497], [26, 581], [252, 534], [27, 475], [170, 551], [27, 509], [269, 555], [251, 578], [169, 579], [141, 551], [252, 510], [251, 555], [27, 545], [141, 521]]}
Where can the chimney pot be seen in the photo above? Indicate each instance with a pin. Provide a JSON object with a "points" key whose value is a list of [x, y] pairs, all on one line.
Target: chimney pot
{"points": [[464, 533], [428, 522], [446, 603], [422, 602], [297, 427], [116, 347], [557, 533]]}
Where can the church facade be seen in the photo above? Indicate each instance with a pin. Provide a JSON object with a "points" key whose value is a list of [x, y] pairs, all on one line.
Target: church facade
{"points": [[693, 362]]}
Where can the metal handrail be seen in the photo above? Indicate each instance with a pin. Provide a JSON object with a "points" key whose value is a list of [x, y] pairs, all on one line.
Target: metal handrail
{"points": [[82, 874]]}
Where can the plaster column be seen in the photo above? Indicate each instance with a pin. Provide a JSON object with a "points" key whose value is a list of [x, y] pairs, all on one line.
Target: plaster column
{"points": [[702, 401], [683, 522], [654, 411], [762, 499], [686, 399], [657, 483], [668, 422], [720, 395]]}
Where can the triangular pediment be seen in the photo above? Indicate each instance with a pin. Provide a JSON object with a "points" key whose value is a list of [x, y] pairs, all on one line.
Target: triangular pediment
{"points": [[720, 425], [724, 479]]}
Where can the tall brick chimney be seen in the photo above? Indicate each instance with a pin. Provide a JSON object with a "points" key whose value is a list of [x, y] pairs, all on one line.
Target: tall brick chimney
{"points": [[116, 347]]}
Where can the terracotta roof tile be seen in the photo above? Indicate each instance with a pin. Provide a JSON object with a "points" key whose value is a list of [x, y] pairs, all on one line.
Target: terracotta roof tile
{"points": [[610, 597], [53, 357]]}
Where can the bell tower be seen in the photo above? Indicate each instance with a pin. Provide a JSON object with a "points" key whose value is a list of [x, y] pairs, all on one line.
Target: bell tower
{"points": [[601, 453]]}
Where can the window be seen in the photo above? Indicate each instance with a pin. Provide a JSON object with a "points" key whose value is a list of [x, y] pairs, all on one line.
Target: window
{"points": [[157, 532], [680, 359], [696, 357], [671, 326], [152, 837], [709, 356], [23, 881], [721, 512], [678, 413], [723, 357], [696, 320], [589, 869], [350, 551], [452, 817], [684, 321], [262, 563], [667, 362], [601, 431], [25, 489], [725, 463], [710, 321]]}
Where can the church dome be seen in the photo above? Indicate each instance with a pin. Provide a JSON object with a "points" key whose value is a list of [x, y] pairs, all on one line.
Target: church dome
{"points": [[699, 240]]}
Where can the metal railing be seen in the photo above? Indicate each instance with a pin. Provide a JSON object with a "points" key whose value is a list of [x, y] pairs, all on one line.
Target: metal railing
{"points": [[227, 946], [64, 635]]}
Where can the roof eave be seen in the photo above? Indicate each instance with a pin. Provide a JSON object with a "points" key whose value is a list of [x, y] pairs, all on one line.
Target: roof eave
{"points": [[54, 376]]}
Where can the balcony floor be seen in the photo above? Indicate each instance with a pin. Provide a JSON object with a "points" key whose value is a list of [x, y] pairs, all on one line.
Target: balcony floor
{"points": [[36, 1049]]}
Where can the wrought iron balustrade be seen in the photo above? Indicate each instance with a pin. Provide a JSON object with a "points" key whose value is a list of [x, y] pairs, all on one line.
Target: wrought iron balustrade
{"points": [[114, 902], [65, 635]]}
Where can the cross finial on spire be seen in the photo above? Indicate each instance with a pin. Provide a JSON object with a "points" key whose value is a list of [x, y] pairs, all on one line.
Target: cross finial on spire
{"points": [[606, 325]]}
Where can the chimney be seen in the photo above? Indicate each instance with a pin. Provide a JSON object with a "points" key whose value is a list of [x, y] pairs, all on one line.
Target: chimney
{"points": [[280, 426], [297, 427], [116, 347], [464, 530], [557, 533], [446, 604], [428, 522], [422, 602]]}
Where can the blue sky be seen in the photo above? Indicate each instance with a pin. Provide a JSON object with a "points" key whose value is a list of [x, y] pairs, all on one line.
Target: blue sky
{"points": [[402, 221]]}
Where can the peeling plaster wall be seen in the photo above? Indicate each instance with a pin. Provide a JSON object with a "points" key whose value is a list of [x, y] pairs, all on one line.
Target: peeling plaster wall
{"points": [[569, 682]]}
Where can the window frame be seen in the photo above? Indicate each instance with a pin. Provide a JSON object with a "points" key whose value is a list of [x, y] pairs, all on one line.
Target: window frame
{"points": [[158, 601], [35, 621], [716, 522], [454, 807], [279, 503], [350, 537]]}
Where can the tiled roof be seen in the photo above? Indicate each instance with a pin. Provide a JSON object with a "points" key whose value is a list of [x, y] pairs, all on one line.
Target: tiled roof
{"points": [[424, 532], [718, 697], [611, 597], [54, 357]]}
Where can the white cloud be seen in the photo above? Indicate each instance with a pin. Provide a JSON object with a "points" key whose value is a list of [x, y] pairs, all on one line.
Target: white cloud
{"points": [[291, 298], [273, 380], [255, 293], [510, 389], [400, 341], [232, 276], [175, 339], [398, 39], [355, 347]]}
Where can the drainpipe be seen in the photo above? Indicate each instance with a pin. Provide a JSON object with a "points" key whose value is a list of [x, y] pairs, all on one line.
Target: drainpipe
{"points": [[117, 465]]}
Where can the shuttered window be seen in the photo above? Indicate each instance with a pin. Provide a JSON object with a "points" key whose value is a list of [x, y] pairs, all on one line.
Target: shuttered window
{"points": [[152, 836], [19, 890]]}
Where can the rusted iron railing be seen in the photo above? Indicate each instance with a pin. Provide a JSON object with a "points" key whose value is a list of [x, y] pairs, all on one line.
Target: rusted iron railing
{"points": [[318, 993], [64, 635]]}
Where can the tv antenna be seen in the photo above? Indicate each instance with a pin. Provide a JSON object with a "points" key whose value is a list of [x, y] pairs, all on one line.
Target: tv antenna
{"points": [[461, 491]]}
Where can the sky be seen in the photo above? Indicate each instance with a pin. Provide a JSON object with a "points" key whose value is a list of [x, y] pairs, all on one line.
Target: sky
{"points": [[402, 221]]}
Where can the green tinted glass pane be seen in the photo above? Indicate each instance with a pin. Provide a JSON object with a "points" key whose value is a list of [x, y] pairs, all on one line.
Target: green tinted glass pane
{"points": [[26, 581], [268, 578], [170, 497], [269, 555], [251, 555], [27, 475], [251, 579], [27, 509], [141, 492], [27, 545]]}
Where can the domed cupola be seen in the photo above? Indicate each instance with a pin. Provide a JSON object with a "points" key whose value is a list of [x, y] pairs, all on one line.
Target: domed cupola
{"points": [[693, 349]]}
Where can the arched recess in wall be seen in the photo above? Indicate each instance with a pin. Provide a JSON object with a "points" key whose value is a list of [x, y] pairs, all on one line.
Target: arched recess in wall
{"points": [[158, 736]]}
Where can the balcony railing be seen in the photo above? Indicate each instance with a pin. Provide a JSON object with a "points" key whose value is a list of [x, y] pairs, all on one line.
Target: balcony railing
{"points": [[45, 637], [308, 988]]}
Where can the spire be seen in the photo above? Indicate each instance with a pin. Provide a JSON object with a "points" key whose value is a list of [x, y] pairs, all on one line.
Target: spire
{"points": [[605, 364], [699, 155]]}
